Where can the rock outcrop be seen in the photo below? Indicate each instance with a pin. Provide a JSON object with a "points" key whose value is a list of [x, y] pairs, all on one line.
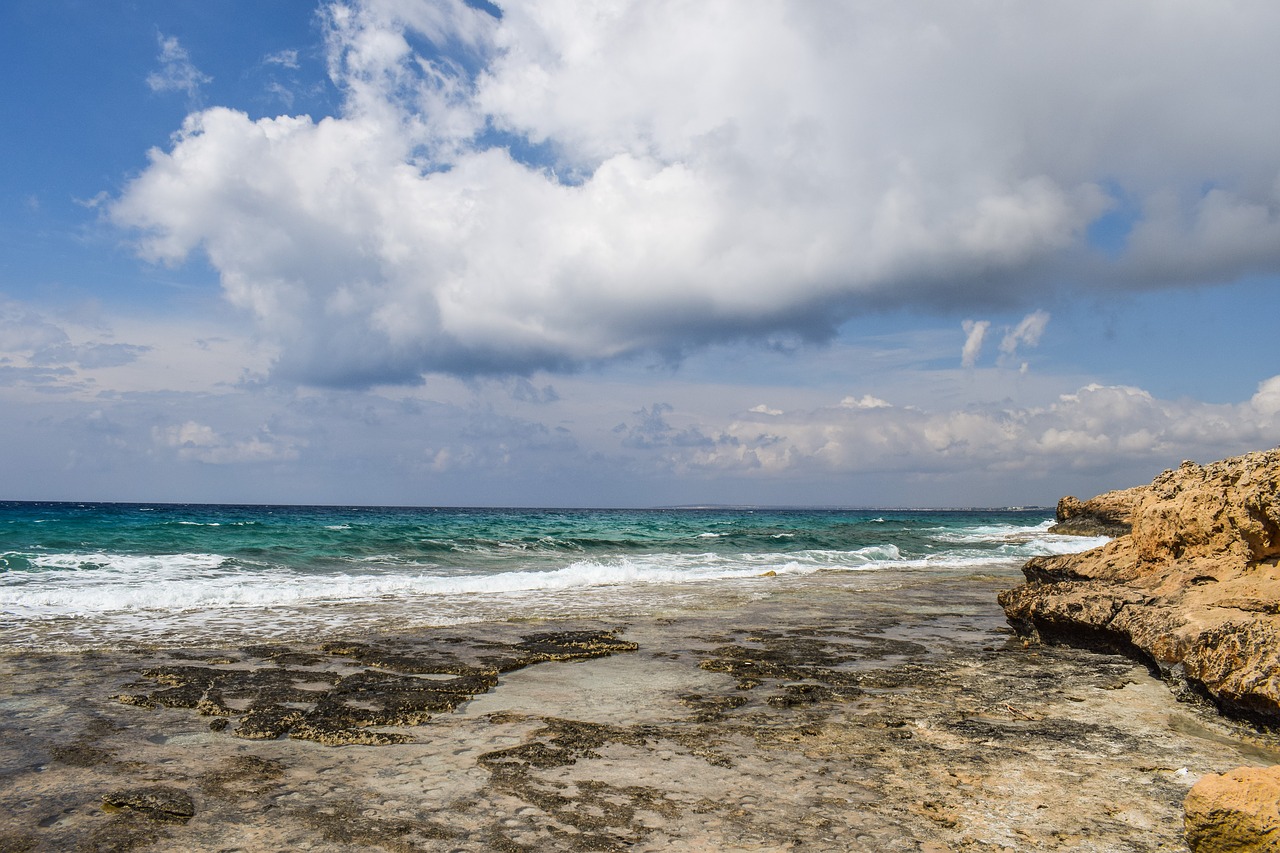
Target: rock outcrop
{"points": [[1235, 812], [1109, 514], [1194, 588]]}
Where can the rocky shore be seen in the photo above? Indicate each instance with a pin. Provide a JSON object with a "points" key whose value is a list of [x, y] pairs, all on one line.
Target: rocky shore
{"points": [[1190, 586], [830, 715]]}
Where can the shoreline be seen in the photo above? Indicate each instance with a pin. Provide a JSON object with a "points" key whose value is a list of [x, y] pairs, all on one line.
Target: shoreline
{"points": [[827, 716]]}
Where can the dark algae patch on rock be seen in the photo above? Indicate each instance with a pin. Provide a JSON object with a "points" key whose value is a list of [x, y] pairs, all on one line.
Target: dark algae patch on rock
{"points": [[355, 689], [158, 802]]}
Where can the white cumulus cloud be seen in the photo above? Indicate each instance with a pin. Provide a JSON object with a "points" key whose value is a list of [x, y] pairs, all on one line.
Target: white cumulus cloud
{"points": [[564, 184], [1026, 334]]}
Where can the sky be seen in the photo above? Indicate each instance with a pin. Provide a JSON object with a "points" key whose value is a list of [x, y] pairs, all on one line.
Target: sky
{"points": [[917, 253]]}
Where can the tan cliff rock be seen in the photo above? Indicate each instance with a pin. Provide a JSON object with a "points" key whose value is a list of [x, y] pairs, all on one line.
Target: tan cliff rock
{"points": [[1109, 514], [1194, 588]]}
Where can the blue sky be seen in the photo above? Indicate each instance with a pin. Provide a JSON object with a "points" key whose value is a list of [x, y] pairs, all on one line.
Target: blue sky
{"points": [[918, 254]]}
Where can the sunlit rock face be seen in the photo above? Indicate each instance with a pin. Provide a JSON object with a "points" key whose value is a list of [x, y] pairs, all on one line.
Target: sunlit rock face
{"points": [[1194, 588], [1237, 811]]}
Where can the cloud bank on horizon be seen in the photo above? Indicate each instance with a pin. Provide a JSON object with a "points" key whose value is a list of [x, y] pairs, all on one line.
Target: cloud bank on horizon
{"points": [[557, 186]]}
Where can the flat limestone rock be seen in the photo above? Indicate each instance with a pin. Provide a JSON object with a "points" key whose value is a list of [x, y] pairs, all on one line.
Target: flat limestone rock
{"points": [[1237, 811]]}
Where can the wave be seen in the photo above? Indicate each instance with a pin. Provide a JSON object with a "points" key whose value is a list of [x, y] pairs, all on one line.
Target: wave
{"points": [[989, 532], [129, 564], [82, 584]]}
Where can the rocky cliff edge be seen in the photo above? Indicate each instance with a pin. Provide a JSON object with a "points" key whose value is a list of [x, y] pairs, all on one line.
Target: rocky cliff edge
{"points": [[1193, 588]]}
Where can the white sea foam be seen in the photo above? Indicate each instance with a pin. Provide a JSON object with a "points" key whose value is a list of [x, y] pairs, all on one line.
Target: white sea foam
{"points": [[106, 594], [129, 564], [100, 583], [1020, 541], [991, 532]]}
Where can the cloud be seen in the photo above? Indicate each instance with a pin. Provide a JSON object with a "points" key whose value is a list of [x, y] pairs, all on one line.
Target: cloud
{"points": [[555, 186], [200, 443], [36, 350], [651, 430], [284, 58], [975, 332], [866, 401], [526, 392], [1267, 401], [1095, 428], [177, 73], [1026, 334]]}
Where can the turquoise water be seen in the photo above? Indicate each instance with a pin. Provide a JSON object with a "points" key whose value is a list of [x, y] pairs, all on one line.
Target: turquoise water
{"points": [[108, 573]]}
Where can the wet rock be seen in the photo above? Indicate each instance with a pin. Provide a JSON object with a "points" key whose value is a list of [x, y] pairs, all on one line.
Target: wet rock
{"points": [[350, 825], [80, 755], [955, 741], [711, 708], [158, 802], [404, 685], [598, 815], [794, 695], [803, 659], [15, 843], [243, 776], [1237, 811], [561, 646]]}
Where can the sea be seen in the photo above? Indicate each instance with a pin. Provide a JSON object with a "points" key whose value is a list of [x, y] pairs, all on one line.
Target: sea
{"points": [[82, 575]]}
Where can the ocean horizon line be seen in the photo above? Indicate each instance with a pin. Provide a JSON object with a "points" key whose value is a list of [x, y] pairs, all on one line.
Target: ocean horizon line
{"points": [[693, 507]]}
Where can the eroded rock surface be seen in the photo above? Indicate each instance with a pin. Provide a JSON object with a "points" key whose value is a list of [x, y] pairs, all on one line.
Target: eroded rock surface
{"points": [[1194, 588], [158, 802], [1235, 812], [1109, 514]]}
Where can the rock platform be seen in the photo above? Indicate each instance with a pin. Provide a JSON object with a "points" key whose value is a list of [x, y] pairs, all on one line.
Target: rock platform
{"points": [[831, 715]]}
